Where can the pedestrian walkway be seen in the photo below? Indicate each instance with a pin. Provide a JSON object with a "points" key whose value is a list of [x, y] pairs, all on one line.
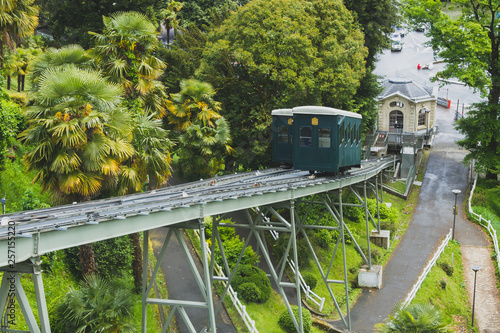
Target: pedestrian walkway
{"points": [[432, 219]]}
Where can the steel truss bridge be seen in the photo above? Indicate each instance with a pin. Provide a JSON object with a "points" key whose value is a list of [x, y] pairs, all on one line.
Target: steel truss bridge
{"points": [[262, 194]]}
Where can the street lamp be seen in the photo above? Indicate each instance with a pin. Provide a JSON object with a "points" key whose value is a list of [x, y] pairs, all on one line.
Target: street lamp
{"points": [[427, 122], [455, 212], [475, 268]]}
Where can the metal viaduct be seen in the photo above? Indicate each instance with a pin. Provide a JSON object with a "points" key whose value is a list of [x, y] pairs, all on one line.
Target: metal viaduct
{"points": [[260, 193]]}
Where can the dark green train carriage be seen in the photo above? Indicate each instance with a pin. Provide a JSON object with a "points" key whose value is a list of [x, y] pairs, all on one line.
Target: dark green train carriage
{"points": [[282, 128], [326, 139]]}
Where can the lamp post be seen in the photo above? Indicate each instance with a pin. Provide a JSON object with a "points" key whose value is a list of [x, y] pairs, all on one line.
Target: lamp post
{"points": [[427, 122], [475, 268], [455, 211]]}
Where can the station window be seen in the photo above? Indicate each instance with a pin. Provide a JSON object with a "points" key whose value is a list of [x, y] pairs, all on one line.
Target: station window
{"points": [[421, 117], [282, 134], [324, 137], [397, 104], [305, 136]]}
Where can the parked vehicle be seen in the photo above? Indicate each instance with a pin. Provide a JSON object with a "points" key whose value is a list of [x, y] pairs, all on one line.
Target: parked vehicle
{"points": [[396, 45]]}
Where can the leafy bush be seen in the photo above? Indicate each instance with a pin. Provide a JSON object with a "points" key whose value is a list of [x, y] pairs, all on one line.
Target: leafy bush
{"points": [[249, 292], [442, 283], [225, 233], [447, 268], [232, 250], [96, 306], [286, 322], [113, 258], [323, 238], [310, 279], [251, 274]]}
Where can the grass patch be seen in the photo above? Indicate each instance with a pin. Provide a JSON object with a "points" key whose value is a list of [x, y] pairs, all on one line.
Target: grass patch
{"points": [[447, 293]]}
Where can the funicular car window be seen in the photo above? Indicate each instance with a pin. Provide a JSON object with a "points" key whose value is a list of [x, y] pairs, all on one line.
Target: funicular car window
{"points": [[347, 134], [324, 137], [282, 134], [341, 134], [353, 134], [305, 136]]}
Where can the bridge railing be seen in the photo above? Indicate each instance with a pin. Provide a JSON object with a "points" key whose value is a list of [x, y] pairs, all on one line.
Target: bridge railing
{"points": [[486, 224], [426, 271], [249, 322]]}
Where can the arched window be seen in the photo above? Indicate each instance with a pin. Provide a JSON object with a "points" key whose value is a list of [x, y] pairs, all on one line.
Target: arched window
{"points": [[396, 104], [395, 118]]}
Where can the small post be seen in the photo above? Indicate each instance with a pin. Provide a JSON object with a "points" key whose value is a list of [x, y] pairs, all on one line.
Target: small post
{"points": [[455, 212], [3, 205], [475, 268]]}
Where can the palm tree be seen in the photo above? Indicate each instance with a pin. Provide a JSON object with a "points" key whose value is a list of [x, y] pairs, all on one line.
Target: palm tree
{"points": [[52, 57], [414, 318], [18, 20], [168, 16], [80, 137], [204, 136], [97, 306], [124, 51]]}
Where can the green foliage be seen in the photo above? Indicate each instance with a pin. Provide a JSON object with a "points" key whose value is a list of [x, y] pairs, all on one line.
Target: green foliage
{"points": [[16, 187], [70, 21], [302, 250], [447, 268], [310, 279], [323, 238], [113, 258], [442, 284], [422, 318], [249, 292], [286, 322], [274, 54], [96, 306], [468, 45], [11, 123], [251, 274]]}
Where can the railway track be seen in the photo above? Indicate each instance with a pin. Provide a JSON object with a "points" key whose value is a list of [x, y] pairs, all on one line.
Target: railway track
{"points": [[199, 192]]}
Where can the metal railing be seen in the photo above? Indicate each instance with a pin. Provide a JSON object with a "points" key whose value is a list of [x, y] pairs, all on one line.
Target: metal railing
{"points": [[486, 224], [249, 322], [426, 271]]}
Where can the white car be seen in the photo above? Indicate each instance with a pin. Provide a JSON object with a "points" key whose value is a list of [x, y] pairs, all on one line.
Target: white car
{"points": [[396, 45]]}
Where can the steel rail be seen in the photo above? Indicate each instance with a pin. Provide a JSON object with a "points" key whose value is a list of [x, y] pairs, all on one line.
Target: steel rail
{"points": [[175, 204]]}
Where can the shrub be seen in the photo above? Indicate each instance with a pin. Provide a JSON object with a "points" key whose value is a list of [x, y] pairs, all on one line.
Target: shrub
{"points": [[442, 283], [446, 268], [310, 279], [323, 238], [249, 292], [232, 250], [286, 322], [252, 274]]}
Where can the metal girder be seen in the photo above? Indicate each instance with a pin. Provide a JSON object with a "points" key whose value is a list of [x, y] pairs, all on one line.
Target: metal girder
{"points": [[11, 284]]}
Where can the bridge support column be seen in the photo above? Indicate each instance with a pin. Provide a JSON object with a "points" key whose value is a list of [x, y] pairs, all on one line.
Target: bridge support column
{"points": [[11, 285]]}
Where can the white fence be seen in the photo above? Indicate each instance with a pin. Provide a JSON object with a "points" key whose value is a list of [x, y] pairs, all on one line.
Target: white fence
{"points": [[485, 223], [426, 271], [249, 322]]}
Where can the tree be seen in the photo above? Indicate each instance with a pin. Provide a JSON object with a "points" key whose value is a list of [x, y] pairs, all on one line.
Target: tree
{"points": [[97, 306], [125, 53], [168, 17], [469, 46], [199, 12], [421, 318], [275, 54], [70, 20], [204, 135], [18, 20], [80, 136]]}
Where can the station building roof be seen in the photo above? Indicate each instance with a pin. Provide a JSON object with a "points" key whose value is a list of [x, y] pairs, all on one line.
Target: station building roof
{"points": [[408, 89]]}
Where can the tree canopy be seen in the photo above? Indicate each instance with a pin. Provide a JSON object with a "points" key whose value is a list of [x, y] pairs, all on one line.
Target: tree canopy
{"points": [[470, 47], [274, 54]]}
